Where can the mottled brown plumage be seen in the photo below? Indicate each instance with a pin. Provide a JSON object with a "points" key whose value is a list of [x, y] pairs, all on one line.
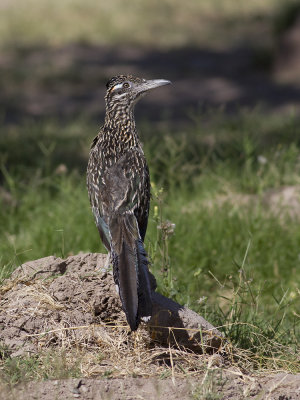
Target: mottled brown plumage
{"points": [[119, 190]]}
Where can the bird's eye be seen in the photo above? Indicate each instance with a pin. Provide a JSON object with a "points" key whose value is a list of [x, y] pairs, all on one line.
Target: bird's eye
{"points": [[126, 85]]}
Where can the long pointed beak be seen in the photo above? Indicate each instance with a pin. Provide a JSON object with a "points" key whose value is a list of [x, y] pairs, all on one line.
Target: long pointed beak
{"points": [[152, 84], [157, 82]]}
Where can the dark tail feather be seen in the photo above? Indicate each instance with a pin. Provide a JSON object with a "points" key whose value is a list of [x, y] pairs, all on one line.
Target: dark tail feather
{"points": [[126, 278], [144, 288], [130, 266]]}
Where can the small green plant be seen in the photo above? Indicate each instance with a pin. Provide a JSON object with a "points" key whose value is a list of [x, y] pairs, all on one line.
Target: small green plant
{"points": [[107, 373], [159, 251], [45, 365], [19, 369], [211, 386]]}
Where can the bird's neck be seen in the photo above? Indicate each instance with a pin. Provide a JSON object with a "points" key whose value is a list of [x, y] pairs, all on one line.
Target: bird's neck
{"points": [[120, 124]]}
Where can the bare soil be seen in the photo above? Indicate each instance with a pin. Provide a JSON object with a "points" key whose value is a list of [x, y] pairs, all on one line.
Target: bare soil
{"points": [[219, 385], [51, 305]]}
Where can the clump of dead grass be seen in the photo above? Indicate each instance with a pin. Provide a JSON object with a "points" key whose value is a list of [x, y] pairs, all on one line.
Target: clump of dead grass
{"points": [[111, 350]]}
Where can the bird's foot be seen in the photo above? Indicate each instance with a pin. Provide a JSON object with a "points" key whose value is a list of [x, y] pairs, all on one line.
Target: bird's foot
{"points": [[106, 268]]}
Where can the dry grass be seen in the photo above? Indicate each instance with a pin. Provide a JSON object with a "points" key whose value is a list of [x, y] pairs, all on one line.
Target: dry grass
{"points": [[109, 351]]}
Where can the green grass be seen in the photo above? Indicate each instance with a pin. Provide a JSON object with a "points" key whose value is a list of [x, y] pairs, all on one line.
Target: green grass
{"points": [[233, 261], [160, 23], [46, 365]]}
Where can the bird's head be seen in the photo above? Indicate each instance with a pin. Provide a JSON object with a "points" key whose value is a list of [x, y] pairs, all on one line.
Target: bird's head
{"points": [[126, 90]]}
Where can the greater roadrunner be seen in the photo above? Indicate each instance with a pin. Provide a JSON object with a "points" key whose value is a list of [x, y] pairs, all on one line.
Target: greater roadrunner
{"points": [[119, 191]]}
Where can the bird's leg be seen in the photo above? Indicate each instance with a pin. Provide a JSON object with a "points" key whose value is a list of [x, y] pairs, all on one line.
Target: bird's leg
{"points": [[107, 266]]}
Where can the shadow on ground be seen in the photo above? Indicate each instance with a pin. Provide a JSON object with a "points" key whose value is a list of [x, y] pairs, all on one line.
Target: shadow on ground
{"points": [[62, 83]]}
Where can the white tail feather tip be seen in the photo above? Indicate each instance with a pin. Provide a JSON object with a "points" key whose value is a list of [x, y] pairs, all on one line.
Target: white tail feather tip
{"points": [[117, 289], [146, 319]]}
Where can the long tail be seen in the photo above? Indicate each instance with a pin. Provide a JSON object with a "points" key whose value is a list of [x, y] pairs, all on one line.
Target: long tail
{"points": [[130, 266]]}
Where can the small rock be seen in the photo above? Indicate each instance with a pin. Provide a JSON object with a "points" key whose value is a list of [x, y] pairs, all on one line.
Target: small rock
{"points": [[75, 390], [84, 389]]}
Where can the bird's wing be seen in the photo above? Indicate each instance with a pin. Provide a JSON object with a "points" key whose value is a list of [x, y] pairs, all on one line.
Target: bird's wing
{"points": [[96, 187], [123, 183], [124, 189]]}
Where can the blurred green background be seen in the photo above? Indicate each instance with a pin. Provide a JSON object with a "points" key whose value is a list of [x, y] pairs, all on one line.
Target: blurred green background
{"points": [[222, 143]]}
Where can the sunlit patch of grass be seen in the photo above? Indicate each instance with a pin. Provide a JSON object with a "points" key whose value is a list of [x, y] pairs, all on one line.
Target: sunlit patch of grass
{"points": [[166, 23]]}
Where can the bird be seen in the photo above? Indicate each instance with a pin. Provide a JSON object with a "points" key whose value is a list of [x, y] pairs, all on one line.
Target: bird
{"points": [[118, 184]]}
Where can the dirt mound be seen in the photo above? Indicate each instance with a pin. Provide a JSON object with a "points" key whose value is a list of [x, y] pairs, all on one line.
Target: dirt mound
{"points": [[53, 302], [64, 82], [56, 309], [52, 294]]}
